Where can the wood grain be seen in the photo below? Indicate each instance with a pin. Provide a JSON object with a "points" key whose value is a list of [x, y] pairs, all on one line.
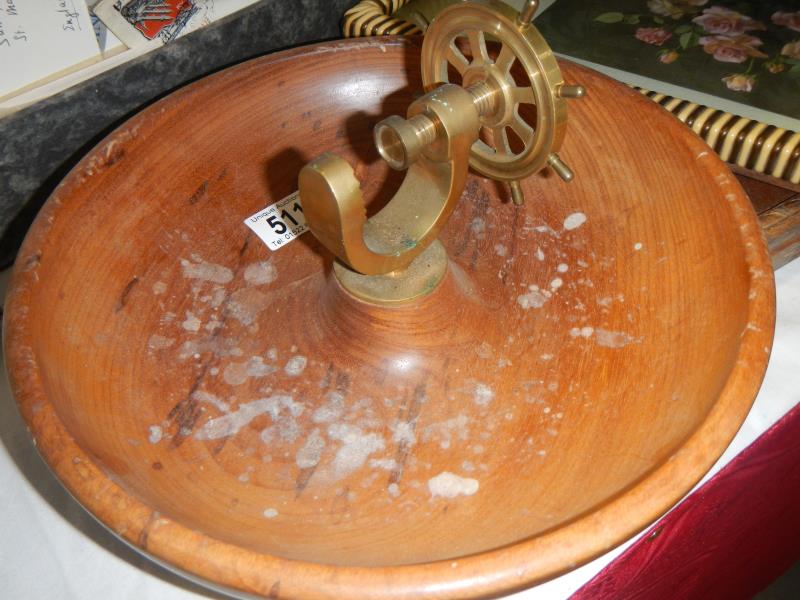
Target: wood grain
{"points": [[234, 413]]}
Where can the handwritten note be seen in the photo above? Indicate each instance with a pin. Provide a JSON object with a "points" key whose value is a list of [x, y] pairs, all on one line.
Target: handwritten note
{"points": [[43, 38]]}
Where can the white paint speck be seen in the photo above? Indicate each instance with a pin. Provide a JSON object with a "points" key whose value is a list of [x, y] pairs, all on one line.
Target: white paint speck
{"points": [[330, 411], [500, 250], [562, 268], [231, 423], [613, 339], [533, 299], [270, 513], [387, 464], [206, 271], [260, 273], [192, 323], [355, 449], [585, 332], [209, 398], [482, 394], [155, 434], [295, 365], [556, 283], [637, 246], [478, 226], [159, 342], [539, 254], [159, 287], [450, 485], [246, 304], [309, 455], [237, 373], [403, 433], [394, 490], [574, 221]]}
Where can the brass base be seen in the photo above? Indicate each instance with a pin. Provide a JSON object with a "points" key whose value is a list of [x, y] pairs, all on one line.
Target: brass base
{"points": [[420, 278]]}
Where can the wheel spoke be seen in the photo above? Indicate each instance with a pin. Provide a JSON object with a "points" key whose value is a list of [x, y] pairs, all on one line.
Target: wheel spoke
{"points": [[477, 44], [522, 129], [456, 58], [523, 95], [505, 59], [500, 138]]}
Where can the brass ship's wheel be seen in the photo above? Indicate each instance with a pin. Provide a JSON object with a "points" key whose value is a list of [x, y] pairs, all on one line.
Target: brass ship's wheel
{"points": [[496, 52]]}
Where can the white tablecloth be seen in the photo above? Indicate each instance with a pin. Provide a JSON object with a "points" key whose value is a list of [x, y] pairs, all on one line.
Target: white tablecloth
{"points": [[50, 548]]}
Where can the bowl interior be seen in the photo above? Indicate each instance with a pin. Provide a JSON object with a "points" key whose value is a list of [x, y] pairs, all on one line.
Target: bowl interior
{"points": [[576, 343]]}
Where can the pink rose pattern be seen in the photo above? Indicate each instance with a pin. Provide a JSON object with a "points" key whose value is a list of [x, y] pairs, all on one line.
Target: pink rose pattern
{"points": [[726, 38], [787, 19], [726, 22], [732, 49], [653, 35], [739, 82]]}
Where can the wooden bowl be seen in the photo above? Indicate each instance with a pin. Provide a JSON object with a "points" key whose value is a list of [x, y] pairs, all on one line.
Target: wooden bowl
{"points": [[232, 412]]}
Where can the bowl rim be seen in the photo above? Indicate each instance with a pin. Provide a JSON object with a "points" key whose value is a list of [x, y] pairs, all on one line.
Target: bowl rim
{"points": [[227, 567]]}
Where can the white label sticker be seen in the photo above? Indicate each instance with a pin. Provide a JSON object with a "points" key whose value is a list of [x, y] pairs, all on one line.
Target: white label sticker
{"points": [[279, 223]]}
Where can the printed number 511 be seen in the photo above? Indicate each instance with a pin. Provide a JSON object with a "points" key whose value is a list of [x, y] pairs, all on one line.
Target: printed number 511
{"points": [[278, 226]]}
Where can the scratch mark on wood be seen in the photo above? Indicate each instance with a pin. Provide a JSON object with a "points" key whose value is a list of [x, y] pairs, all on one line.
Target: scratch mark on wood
{"points": [[123, 297], [409, 413], [303, 477], [199, 194]]}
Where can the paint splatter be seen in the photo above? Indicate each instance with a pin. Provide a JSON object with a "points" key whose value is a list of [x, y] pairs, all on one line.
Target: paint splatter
{"points": [[159, 342], [206, 271], [330, 411], [231, 423], [155, 434], [270, 513], [309, 455], [295, 365], [218, 345], [238, 373], [445, 430], [533, 299], [260, 273], [403, 433], [389, 464], [355, 449], [581, 332], [192, 323], [449, 485], [483, 394], [246, 304], [209, 398], [613, 339], [574, 221]]}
